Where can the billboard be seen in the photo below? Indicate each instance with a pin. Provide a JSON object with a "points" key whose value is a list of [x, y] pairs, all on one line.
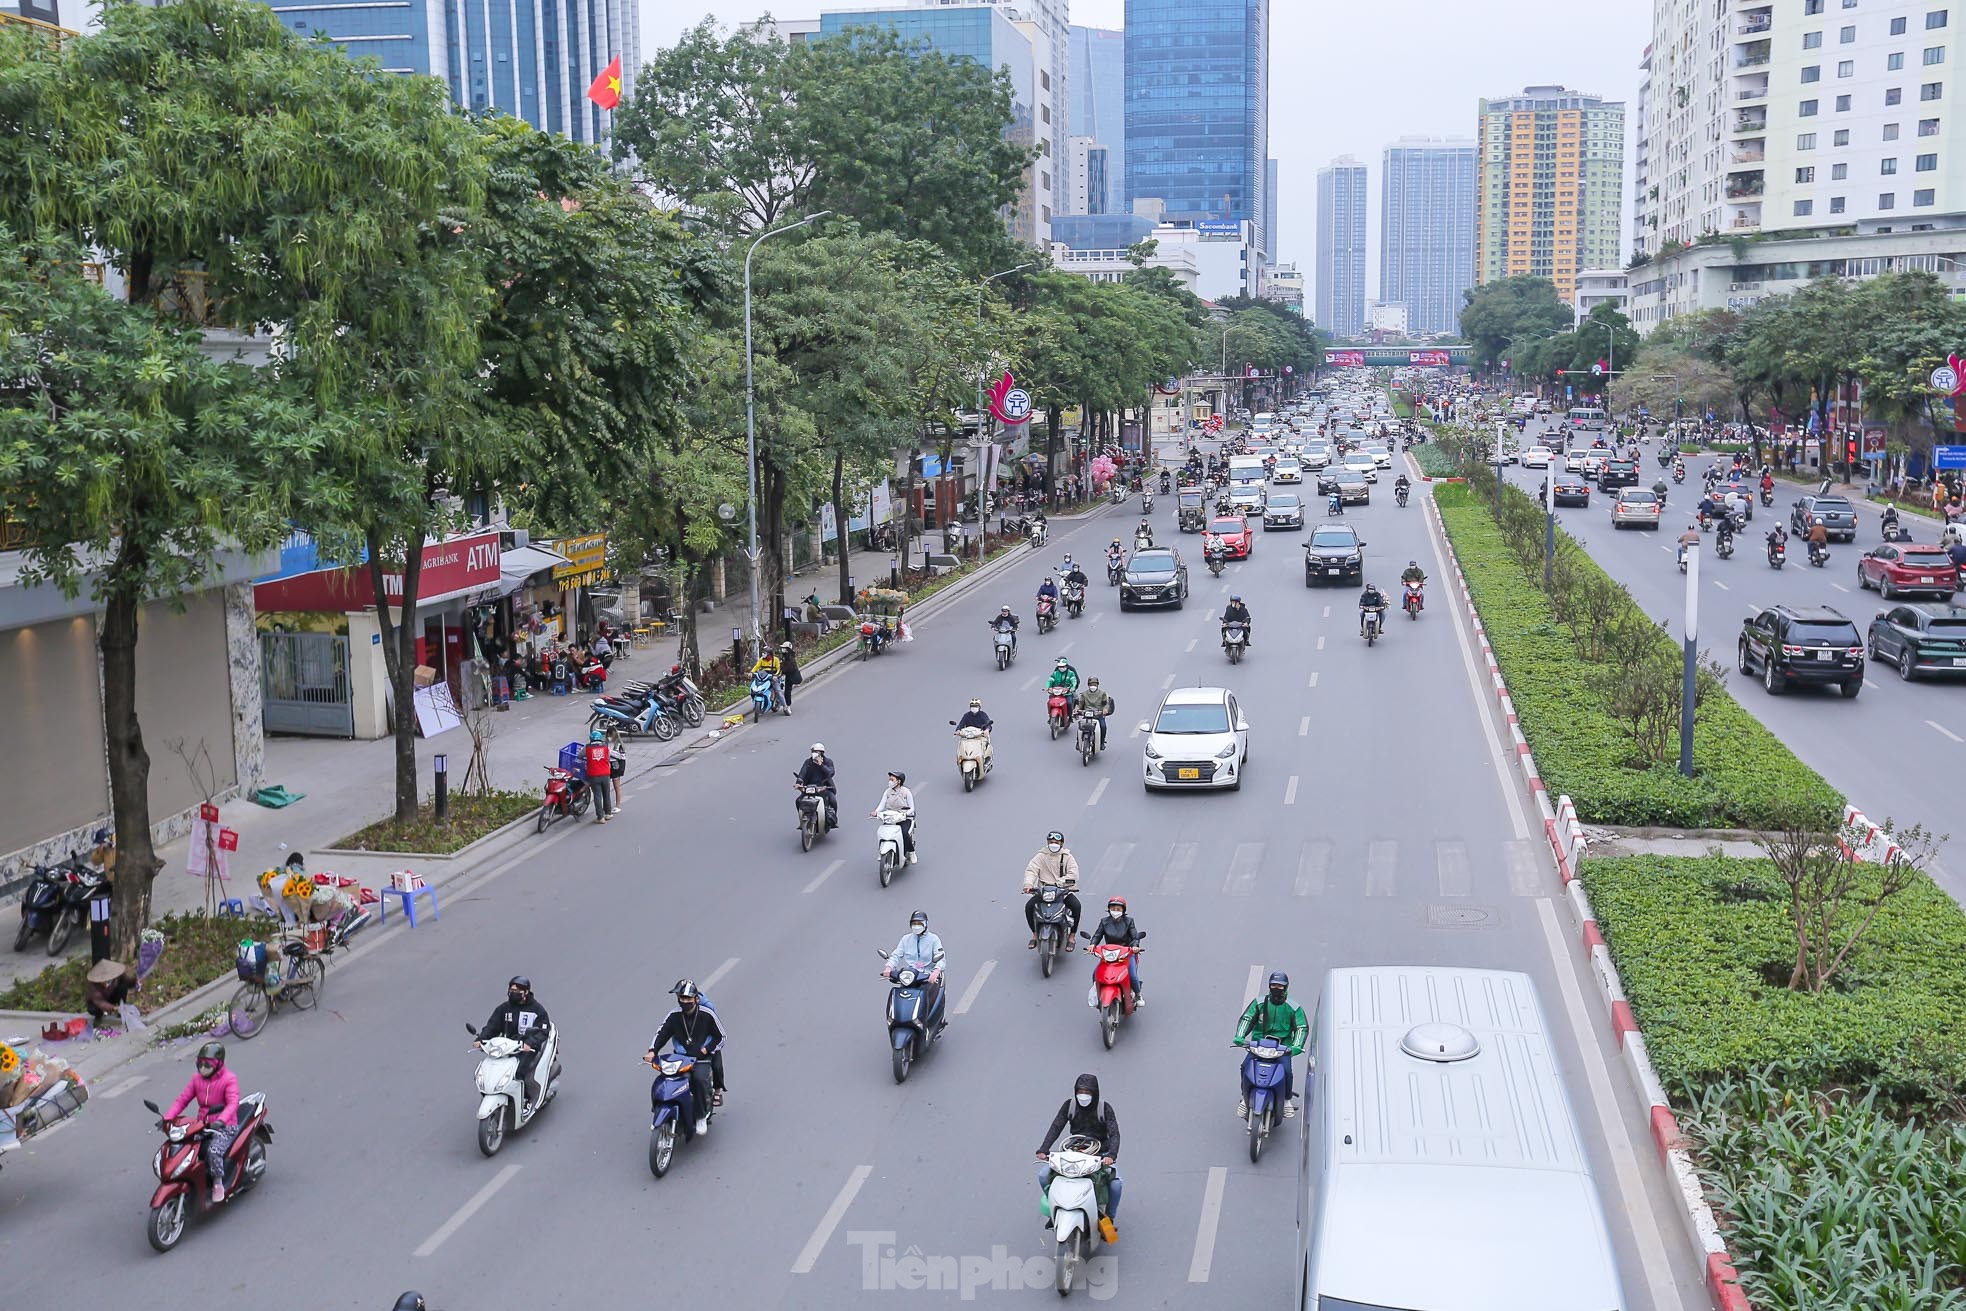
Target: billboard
{"points": [[1218, 229], [1437, 359], [1344, 359]]}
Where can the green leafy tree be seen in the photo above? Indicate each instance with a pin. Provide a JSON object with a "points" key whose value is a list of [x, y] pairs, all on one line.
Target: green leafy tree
{"points": [[1499, 311]]}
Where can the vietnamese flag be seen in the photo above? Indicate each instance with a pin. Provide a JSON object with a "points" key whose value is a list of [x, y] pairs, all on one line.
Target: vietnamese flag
{"points": [[606, 91]]}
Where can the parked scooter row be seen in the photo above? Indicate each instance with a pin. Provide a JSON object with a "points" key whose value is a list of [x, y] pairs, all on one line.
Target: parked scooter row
{"points": [[660, 708], [56, 901]]}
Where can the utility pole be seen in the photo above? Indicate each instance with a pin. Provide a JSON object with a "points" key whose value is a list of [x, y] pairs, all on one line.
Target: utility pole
{"points": [[1689, 685]]}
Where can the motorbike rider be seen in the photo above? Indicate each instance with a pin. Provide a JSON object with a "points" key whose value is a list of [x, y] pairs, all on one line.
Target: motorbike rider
{"points": [[694, 1028], [1729, 524], [1119, 927], [1691, 537], [215, 1089], [1213, 548], [1065, 676], [1413, 573], [411, 1301], [1336, 505], [899, 797], [1767, 482], [1708, 509], [922, 952], [1115, 554], [975, 718], [1098, 703], [816, 770], [768, 664], [1778, 538], [1890, 523], [1054, 867], [1074, 574], [1659, 490], [521, 1018], [1006, 622], [1084, 1113], [1048, 588], [1274, 1016], [1235, 612], [1401, 486], [1818, 534], [1372, 599]]}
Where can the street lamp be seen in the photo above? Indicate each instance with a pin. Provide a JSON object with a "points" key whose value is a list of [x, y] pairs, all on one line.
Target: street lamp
{"points": [[1689, 687], [982, 416], [751, 423]]}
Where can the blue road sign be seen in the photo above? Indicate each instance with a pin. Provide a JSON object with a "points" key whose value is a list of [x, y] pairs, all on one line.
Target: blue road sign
{"points": [[1949, 457]]}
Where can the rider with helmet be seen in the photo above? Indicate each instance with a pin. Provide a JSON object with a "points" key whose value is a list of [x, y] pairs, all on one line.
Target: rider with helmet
{"points": [[1119, 927], [1369, 600], [1006, 622], [1274, 1016], [524, 1020], [216, 1091], [1063, 675], [1235, 612], [975, 717], [1047, 591], [1071, 572], [816, 770], [1098, 703], [1085, 1114], [921, 951], [1413, 573], [1054, 867], [411, 1301], [693, 1027], [899, 798]]}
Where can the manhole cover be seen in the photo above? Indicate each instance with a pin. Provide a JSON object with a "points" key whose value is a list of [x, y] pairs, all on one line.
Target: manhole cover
{"points": [[1459, 917]]}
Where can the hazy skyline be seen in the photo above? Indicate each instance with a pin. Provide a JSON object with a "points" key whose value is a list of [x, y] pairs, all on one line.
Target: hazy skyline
{"points": [[1351, 79]]}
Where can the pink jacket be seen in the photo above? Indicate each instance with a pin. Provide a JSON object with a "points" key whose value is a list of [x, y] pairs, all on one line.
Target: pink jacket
{"points": [[217, 1097]]}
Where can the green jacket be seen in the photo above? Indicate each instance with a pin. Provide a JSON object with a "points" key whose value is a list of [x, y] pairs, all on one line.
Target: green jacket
{"points": [[1096, 701], [1287, 1022], [1066, 678]]}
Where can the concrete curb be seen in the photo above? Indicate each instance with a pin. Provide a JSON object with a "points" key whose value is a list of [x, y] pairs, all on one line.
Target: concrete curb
{"points": [[1566, 838]]}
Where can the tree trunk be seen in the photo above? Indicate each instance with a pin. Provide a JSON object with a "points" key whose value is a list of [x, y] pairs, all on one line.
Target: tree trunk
{"points": [[399, 659], [129, 766], [842, 530], [771, 583]]}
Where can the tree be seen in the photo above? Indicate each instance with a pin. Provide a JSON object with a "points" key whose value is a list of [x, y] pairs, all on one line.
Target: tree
{"points": [[131, 461], [1834, 896], [1497, 312], [1668, 380]]}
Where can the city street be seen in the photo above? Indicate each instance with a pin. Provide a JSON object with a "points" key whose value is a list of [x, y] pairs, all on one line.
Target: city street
{"points": [[1894, 749], [1381, 823]]}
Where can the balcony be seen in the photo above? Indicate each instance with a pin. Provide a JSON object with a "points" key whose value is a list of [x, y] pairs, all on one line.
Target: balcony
{"points": [[1747, 156], [1751, 61], [1749, 190], [1751, 122], [1750, 94], [1754, 25]]}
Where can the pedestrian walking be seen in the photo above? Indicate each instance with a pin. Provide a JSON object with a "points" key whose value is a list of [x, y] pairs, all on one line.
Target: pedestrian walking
{"points": [[788, 668], [600, 776]]}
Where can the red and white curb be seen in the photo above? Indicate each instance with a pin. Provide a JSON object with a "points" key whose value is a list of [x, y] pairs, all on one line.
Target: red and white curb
{"points": [[1566, 839]]}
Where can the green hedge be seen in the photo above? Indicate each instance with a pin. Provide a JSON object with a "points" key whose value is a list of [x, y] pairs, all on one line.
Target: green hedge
{"points": [[1433, 461], [1704, 945], [1744, 775]]}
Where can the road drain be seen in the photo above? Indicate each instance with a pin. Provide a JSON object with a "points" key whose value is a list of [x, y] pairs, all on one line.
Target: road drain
{"points": [[1459, 917]]}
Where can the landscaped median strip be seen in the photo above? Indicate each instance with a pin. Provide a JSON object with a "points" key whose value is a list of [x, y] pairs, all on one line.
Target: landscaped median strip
{"points": [[1565, 836]]}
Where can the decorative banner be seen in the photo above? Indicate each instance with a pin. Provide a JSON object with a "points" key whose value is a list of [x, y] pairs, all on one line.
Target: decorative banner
{"points": [[1172, 387], [1010, 403], [208, 812], [1430, 359], [228, 839], [1949, 379], [1345, 359]]}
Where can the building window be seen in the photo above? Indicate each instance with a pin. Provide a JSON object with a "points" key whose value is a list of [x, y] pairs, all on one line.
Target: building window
{"points": [[1888, 166], [1924, 197], [1843, 104], [1812, 6], [1813, 73], [1045, 112], [1928, 127], [1846, 68], [1846, 35], [1045, 179], [1894, 61], [1933, 55], [1890, 131], [1887, 200], [1836, 204], [1936, 18], [1804, 208], [1897, 27], [1812, 40], [1807, 109], [1896, 96], [1805, 141], [1806, 174], [1842, 137], [1838, 172], [1044, 79], [1926, 164], [1930, 91]]}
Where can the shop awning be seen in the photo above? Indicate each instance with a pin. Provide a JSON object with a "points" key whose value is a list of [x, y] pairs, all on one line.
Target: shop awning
{"points": [[522, 562]]}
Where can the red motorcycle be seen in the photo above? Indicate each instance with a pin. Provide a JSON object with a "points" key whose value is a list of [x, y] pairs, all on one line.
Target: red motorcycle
{"points": [[566, 794], [1112, 985], [1057, 711], [1047, 614], [183, 1182], [1414, 601]]}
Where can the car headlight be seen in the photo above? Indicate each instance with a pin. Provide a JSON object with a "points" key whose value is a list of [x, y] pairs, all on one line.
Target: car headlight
{"points": [[1227, 753], [1152, 754]]}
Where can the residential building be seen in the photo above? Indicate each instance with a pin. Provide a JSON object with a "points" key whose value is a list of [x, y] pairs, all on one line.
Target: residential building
{"points": [[1285, 286], [1686, 94], [1601, 287], [1551, 173], [1223, 256], [1644, 184], [1088, 179], [1341, 246], [1386, 320], [1198, 109], [1427, 229], [533, 59], [992, 36], [1096, 104]]}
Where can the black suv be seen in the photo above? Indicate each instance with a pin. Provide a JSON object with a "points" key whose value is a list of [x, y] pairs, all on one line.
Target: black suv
{"points": [[1616, 474], [1838, 515], [1154, 576], [1333, 555], [1789, 644]]}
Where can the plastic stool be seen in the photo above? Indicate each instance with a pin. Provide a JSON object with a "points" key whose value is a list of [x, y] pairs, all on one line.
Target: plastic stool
{"points": [[408, 900], [232, 906], [561, 689]]}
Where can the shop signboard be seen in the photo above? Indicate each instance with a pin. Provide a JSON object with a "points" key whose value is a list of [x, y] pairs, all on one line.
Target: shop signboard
{"points": [[451, 568], [587, 560]]}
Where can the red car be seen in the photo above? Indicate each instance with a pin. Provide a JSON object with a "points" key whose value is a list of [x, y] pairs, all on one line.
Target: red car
{"points": [[1235, 535], [1900, 567]]}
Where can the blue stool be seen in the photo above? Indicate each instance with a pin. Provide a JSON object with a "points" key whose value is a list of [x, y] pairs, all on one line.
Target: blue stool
{"points": [[561, 689], [234, 907], [409, 900]]}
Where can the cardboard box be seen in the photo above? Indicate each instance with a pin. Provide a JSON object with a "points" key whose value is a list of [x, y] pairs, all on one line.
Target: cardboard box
{"points": [[425, 675]]}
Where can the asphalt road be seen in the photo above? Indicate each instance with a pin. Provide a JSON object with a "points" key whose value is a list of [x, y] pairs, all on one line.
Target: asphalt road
{"points": [[1379, 811], [1895, 749]]}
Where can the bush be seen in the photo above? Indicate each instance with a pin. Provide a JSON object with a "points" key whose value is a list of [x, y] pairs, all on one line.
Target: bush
{"points": [[1433, 461], [1705, 945], [197, 949]]}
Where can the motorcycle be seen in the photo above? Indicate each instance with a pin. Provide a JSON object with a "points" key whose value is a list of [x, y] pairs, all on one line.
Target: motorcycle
{"points": [[82, 884], [1147, 503], [1818, 554], [1235, 641], [1115, 570], [1057, 711], [1778, 555], [1414, 600], [1894, 532], [502, 1093], [1088, 738], [764, 692], [1372, 626], [912, 1024], [889, 852], [633, 716], [1265, 1064], [1678, 474], [566, 794], [1334, 507], [1767, 496], [1216, 559], [1399, 496], [1682, 559], [1118, 494], [813, 820], [1047, 614], [183, 1180], [1074, 596], [973, 756], [41, 907], [1072, 1202], [1037, 533], [675, 1105], [1142, 542], [1723, 545], [1111, 993], [1054, 929], [1005, 644]]}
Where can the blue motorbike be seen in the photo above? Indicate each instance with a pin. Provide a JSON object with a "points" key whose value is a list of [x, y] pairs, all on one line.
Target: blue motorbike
{"points": [[915, 1009], [1265, 1066], [675, 1108], [633, 716], [764, 692]]}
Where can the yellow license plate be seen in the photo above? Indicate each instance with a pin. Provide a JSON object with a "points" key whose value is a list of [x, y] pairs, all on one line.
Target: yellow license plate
{"points": [[1187, 773]]}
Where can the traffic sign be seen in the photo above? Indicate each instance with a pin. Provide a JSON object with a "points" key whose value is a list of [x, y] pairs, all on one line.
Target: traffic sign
{"points": [[1949, 457], [1597, 369], [1945, 380]]}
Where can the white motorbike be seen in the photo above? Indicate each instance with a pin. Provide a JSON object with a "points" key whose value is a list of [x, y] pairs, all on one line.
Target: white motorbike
{"points": [[1235, 640], [973, 756], [1072, 1202], [1037, 535], [502, 1093], [1005, 643], [889, 849]]}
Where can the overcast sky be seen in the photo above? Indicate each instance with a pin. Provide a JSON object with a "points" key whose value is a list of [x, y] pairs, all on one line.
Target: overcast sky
{"points": [[1348, 78]]}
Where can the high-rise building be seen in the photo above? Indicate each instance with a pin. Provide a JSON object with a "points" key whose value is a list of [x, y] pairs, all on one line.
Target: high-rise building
{"points": [[1096, 75], [1644, 184], [1686, 95], [991, 36], [1270, 210], [534, 59], [1551, 177], [1198, 108], [1341, 247], [1426, 229], [1050, 32], [1088, 179]]}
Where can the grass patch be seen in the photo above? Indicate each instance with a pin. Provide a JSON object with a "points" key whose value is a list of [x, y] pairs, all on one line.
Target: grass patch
{"points": [[471, 817], [197, 949], [1433, 461]]}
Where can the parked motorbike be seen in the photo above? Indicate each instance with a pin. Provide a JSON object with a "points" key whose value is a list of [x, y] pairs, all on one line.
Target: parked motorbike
{"points": [[1414, 600], [1057, 711], [1111, 993], [1088, 739], [1005, 644], [1072, 1202], [813, 820], [183, 1179], [1047, 614], [764, 692], [1054, 927], [1265, 1063], [914, 1018], [681, 698], [1074, 598], [973, 756], [1235, 641], [40, 907], [502, 1093], [566, 794], [675, 1110], [633, 717], [83, 884]]}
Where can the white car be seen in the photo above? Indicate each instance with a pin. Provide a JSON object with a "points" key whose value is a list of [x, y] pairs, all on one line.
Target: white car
{"points": [[1287, 471], [1315, 456], [1535, 457], [1197, 739], [1380, 455], [1247, 496], [1577, 461], [1360, 462]]}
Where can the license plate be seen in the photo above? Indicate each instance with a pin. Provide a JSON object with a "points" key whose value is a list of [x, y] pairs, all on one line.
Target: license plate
{"points": [[1334, 572], [1925, 580], [1959, 660], [1187, 773], [1822, 655]]}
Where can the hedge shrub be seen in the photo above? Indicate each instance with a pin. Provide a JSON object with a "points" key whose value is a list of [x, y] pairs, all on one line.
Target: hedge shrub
{"points": [[1744, 776]]}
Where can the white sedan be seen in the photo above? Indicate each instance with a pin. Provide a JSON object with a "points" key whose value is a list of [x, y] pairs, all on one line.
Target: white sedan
{"points": [[1364, 465], [1535, 457], [1198, 739]]}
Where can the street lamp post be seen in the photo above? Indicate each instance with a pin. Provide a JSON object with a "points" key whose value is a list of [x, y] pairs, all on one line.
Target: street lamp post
{"points": [[1690, 684], [751, 428], [983, 417], [1549, 530]]}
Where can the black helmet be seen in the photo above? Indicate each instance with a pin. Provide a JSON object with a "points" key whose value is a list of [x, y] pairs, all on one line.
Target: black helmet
{"points": [[1278, 979], [685, 990], [898, 777], [919, 917], [212, 1051], [1054, 836], [521, 982], [411, 1301]]}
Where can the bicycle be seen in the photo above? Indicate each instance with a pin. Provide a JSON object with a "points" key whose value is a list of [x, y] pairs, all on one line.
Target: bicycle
{"points": [[306, 970]]}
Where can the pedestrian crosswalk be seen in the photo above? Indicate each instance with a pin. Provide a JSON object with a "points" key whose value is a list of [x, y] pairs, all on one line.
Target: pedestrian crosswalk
{"points": [[1446, 868]]}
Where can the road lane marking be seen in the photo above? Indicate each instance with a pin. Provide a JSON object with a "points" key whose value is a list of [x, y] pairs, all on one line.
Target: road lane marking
{"points": [[1029, 683], [1133, 732], [1173, 878], [824, 874], [1254, 988], [1167, 682], [1065, 649], [1320, 643], [1839, 587], [809, 1254], [1112, 863], [975, 986], [1456, 876], [1193, 642], [1098, 791], [1722, 586], [1604, 1104], [117, 1090], [1946, 731], [1313, 863], [469, 1209], [1241, 880], [1097, 617], [1524, 869], [1380, 860], [1211, 1217], [717, 975], [1327, 612], [1304, 726], [1314, 677], [1290, 791], [1209, 613]]}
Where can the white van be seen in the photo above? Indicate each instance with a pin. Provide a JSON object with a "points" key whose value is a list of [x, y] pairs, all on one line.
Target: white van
{"points": [[1588, 417], [1442, 1167], [1247, 469]]}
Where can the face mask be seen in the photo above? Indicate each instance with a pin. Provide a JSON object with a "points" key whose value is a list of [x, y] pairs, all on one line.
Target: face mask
{"points": [[1085, 1099], [516, 996], [207, 1068], [1053, 848], [1276, 998], [689, 1008]]}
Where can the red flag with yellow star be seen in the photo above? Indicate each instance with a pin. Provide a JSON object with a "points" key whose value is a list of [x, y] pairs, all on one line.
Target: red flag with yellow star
{"points": [[606, 91]]}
